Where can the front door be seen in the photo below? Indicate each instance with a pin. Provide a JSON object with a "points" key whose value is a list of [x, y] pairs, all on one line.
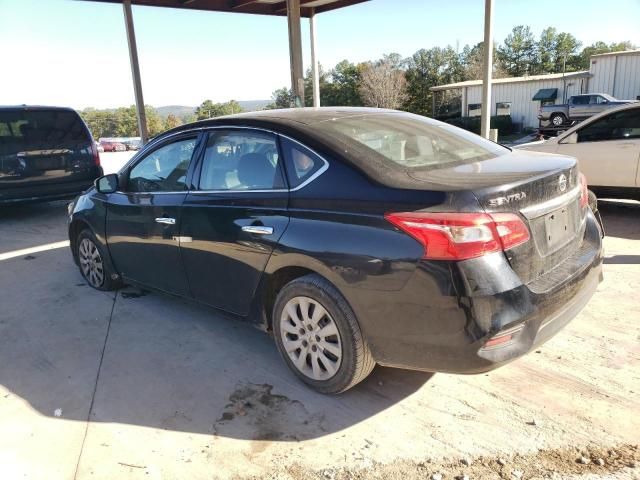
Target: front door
{"points": [[608, 149], [143, 221], [235, 218]]}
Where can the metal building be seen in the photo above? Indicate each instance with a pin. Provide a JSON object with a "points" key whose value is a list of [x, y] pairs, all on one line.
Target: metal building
{"points": [[617, 74]]}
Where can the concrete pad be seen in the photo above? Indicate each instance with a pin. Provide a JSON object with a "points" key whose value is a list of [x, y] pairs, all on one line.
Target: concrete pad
{"points": [[52, 330], [24, 226], [185, 392]]}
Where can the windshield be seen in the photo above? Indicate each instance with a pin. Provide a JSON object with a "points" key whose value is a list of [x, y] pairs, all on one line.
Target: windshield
{"points": [[411, 141]]}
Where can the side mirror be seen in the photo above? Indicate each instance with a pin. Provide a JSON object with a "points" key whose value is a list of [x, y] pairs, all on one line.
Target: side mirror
{"points": [[107, 183], [573, 138]]}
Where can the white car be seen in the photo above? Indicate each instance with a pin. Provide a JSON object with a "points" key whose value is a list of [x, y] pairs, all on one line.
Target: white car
{"points": [[607, 147]]}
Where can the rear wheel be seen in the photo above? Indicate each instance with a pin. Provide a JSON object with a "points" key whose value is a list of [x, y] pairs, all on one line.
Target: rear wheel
{"points": [[94, 265], [319, 337], [558, 119]]}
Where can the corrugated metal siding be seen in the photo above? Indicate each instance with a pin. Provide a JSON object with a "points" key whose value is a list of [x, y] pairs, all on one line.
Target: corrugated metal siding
{"points": [[523, 109], [620, 79], [627, 84], [617, 75]]}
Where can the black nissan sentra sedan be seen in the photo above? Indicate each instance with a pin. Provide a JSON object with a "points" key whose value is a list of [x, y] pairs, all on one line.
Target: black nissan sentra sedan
{"points": [[358, 236]]}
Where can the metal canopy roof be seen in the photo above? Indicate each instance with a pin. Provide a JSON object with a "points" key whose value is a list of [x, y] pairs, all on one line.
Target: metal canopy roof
{"points": [[260, 7], [546, 94]]}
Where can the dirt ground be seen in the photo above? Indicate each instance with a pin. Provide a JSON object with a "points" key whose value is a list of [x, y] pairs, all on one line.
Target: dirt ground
{"points": [[138, 385]]}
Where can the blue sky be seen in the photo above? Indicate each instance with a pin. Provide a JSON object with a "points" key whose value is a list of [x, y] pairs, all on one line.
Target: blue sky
{"points": [[69, 52]]}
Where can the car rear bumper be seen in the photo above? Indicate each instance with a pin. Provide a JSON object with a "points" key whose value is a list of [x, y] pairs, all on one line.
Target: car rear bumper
{"points": [[438, 323], [46, 192]]}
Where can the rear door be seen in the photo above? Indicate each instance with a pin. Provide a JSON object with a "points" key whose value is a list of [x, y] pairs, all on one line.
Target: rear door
{"points": [[608, 149], [233, 221], [40, 147], [143, 220]]}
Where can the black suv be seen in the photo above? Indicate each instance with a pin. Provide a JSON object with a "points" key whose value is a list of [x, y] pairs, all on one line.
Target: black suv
{"points": [[46, 153], [359, 236]]}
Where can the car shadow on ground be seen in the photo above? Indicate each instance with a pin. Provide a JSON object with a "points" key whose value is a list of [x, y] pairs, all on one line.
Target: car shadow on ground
{"points": [[167, 363], [621, 218]]}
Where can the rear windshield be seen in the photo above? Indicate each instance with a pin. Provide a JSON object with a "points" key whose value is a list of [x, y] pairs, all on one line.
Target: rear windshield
{"points": [[411, 141], [41, 127]]}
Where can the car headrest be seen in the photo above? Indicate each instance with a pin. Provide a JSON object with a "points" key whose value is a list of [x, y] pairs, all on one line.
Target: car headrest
{"points": [[256, 171]]}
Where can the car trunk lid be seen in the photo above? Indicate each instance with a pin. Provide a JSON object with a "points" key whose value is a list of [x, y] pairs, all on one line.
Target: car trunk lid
{"points": [[544, 190]]}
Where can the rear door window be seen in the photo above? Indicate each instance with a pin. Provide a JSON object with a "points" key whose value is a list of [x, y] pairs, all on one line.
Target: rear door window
{"points": [[241, 160], [301, 163]]}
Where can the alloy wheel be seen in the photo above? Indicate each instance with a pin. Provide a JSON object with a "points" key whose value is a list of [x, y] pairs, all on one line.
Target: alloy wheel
{"points": [[91, 262], [311, 338]]}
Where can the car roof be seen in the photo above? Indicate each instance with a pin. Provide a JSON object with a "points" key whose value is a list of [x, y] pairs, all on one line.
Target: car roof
{"points": [[34, 107], [286, 116]]}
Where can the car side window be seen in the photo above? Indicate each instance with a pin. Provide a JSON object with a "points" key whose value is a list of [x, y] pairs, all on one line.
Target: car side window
{"points": [[301, 164], [164, 169], [241, 160], [616, 126]]}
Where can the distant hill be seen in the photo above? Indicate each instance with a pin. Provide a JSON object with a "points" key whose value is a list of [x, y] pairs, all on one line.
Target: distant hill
{"points": [[177, 110], [182, 110], [253, 105]]}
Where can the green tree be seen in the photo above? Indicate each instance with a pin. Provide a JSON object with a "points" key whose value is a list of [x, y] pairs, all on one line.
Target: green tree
{"points": [[426, 69], [601, 47], [282, 98], [171, 122], [472, 63], [208, 109], [342, 90], [546, 51], [323, 80], [566, 50], [518, 53]]}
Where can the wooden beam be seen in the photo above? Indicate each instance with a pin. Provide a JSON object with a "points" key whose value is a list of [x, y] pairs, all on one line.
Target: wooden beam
{"points": [[242, 3], [339, 4], [282, 6]]}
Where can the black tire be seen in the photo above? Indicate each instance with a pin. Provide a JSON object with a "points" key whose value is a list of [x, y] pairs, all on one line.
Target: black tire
{"points": [[558, 119], [356, 361], [101, 275], [593, 204]]}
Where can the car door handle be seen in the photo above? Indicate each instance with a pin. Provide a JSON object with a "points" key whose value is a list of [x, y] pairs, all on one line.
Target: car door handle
{"points": [[166, 220], [258, 230]]}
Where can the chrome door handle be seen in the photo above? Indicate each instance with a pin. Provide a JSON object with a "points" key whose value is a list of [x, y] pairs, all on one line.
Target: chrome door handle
{"points": [[258, 230], [166, 220]]}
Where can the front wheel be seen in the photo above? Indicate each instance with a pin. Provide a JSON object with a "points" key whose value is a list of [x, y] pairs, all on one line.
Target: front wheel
{"points": [[318, 336], [94, 264]]}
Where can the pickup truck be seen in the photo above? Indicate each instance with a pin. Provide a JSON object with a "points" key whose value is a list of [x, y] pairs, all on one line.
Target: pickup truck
{"points": [[578, 108]]}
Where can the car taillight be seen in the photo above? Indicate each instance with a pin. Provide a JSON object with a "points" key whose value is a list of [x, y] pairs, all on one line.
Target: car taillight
{"points": [[584, 191], [96, 155], [460, 236]]}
